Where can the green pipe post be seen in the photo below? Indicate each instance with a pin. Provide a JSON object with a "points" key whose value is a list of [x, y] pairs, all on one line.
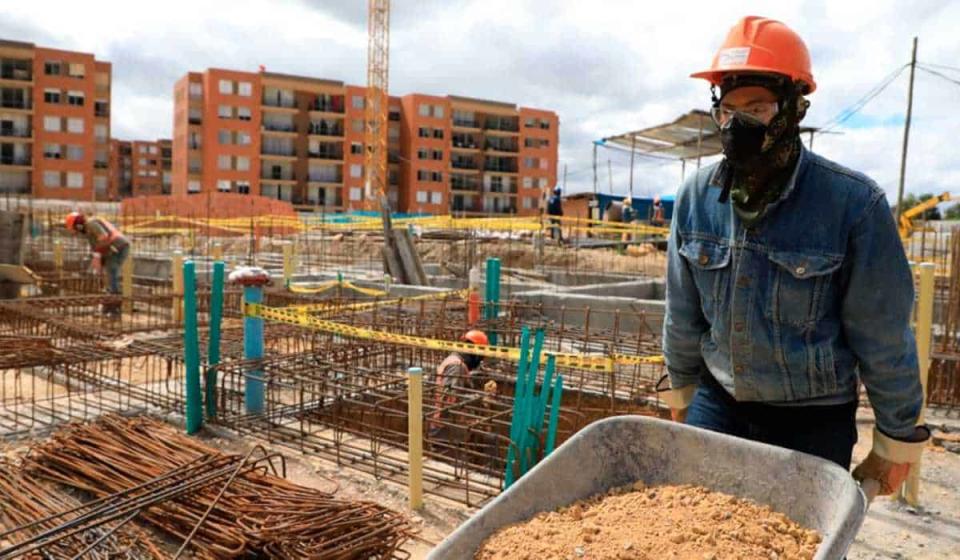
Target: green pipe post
{"points": [[191, 349], [526, 415], [515, 428], [541, 408], [213, 346], [554, 416]]}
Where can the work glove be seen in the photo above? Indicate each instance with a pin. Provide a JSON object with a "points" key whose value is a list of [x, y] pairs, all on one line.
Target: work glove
{"points": [[890, 460], [677, 399]]}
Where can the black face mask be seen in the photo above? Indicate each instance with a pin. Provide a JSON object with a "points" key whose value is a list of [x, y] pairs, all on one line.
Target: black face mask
{"points": [[472, 361], [742, 138]]}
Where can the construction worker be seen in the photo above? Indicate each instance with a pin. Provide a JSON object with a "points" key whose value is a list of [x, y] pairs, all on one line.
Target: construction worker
{"points": [[779, 307], [656, 213], [456, 371], [628, 215], [555, 208], [112, 246]]}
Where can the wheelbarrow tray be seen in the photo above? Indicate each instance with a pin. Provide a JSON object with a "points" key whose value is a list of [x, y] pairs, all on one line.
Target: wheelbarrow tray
{"points": [[620, 450]]}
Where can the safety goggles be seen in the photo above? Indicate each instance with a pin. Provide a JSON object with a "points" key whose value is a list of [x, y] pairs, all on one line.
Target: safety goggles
{"points": [[762, 111]]}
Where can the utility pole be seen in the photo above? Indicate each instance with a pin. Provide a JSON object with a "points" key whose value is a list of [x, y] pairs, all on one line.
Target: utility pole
{"points": [[906, 132], [633, 150], [564, 178], [594, 169]]}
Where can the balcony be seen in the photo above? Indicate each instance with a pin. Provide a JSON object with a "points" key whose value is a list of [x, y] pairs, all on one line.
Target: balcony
{"points": [[325, 154], [501, 125], [329, 178], [323, 129], [100, 165], [279, 102], [501, 147], [278, 174], [101, 110], [500, 188], [13, 103], [460, 184], [328, 105], [20, 72], [278, 151], [461, 142], [496, 167], [16, 131], [464, 164], [15, 160], [276, 127], [393, 158], [195, 120], [465, 123]]}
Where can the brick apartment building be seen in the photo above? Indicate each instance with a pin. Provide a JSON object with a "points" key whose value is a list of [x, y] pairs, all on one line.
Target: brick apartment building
{"points": [[300, 140], [140, 167], [54, 123]]}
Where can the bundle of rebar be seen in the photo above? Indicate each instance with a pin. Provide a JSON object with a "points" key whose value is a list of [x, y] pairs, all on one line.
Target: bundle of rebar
{"points": [[28, 509], [254, 512]]}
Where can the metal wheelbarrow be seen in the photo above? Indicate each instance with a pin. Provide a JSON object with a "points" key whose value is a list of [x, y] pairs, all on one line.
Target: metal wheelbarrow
{"points": [[620, 450]]}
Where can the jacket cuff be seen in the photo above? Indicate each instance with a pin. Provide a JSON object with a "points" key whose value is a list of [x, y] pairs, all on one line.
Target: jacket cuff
{"points": [[679, 399], [896, 451]]}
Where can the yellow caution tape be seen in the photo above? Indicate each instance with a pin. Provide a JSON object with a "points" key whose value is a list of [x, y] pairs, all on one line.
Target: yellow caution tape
{"points": [[365, 305], [591, 362], [333, 284]]}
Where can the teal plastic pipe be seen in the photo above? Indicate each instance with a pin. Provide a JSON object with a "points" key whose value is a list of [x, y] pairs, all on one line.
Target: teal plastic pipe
{"points": [[529, 403], [554, 416], [191, 349], [213, 345], [515, 419], [541, 408]]}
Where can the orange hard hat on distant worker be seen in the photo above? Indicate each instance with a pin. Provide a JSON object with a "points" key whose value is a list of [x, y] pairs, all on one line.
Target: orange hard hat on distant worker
{"points": [[73, 218], [475, 336], [761, 45]]}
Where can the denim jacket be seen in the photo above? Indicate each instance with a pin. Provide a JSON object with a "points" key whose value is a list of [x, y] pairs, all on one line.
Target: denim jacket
{"points": [[817, 294]]}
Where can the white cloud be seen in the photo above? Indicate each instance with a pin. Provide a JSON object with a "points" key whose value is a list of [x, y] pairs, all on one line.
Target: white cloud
{"points": [[605, 67]]}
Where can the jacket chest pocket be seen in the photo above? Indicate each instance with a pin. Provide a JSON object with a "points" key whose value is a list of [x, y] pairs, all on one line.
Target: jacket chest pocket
{"points": [[801, 287], [710, 265]]}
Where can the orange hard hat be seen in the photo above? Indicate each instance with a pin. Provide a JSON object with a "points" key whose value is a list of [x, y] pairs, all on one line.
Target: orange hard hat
{"points": [[74, 218], [761, 45], [475, 336]]}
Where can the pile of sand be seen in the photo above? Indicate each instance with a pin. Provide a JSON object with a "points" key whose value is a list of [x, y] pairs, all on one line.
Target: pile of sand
{"points": [[639, 523]]}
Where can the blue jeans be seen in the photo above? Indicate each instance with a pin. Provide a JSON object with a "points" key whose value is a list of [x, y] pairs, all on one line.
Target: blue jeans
{"points": [[827, 431], [113, 263]]}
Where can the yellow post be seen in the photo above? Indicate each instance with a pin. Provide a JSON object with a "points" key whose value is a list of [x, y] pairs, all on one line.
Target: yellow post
{"points": [[287, 264], [910, 491], [58, 264], [217, 252], [415, 435], [126, 285], [176, 270]]}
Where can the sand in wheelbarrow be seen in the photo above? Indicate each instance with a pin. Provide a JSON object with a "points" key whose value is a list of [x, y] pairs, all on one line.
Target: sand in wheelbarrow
{"points": [[650, 523]]}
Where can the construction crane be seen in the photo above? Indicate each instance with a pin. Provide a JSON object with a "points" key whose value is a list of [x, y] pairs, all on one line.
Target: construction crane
{"points": [[906, 218], [376, 107]]}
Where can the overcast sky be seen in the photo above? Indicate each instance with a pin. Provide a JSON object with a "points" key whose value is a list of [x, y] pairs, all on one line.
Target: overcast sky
{"points": [[605, 67]]}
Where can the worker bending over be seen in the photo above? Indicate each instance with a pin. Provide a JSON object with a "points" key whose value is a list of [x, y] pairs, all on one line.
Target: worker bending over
{"points": [[787, 284], [113, 247], [457, 371]]}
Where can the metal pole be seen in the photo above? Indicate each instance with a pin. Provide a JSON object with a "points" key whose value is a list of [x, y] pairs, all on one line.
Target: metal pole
{"points": [[177, 268], [191, 350], [415, 435], [633, 149], [906, 132], [213, 344], [253, 350], [594, 170], [564, 177]]}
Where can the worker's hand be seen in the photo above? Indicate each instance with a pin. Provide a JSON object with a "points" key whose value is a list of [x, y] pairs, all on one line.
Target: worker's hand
{"points": [[678, 415], [890, 460], [677, 399]]}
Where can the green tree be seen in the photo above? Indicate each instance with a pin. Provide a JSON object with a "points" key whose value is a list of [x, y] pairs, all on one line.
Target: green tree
{"points": [[952, 213], [911, 200]]}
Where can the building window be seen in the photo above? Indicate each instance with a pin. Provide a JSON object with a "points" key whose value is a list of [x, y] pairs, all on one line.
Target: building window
{"points": [[225, 111], [357, 125], [528, 182], [438, 155], [423, 175], [77, 70], [142, 149], [193, 186], [393, 132], [243, 163], [436, 198], [100, 132], [74, 180], [422, 197], [100, 183], [51, 95], [224, 162], [196, 89], [245, 89], [357, 101], [153, 150], [543, 163], [224, 137], [52, 124], [356, 148], [243, 113], [438, 111], [51, 178], [423, 153], [356, 170], [75, 98], [423, 132], [530, 162], [545, 125], [142, 162], [436, 176], [528, 202], [223, 185], [356, 193], [52, 151], [438, 133], [75, 153], [543, 182], [423, 110], [243, 139], [243, 187], [226, 87], [52, 69], [75, 125]]}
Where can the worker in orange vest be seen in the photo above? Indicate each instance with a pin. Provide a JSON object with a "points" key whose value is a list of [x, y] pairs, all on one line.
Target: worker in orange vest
{"points": [[656, 219], [112, 246], [457, 371]]}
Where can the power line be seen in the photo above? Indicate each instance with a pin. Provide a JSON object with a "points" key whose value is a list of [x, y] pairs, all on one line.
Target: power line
{"points": [[943, 66], [938, 74], [855, 107]]}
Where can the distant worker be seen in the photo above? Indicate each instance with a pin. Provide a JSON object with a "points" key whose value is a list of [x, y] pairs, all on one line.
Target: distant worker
{"points": [[628, 215], [787, 283], [656, 213], [456, 371], [112, 246], [555, 208]]}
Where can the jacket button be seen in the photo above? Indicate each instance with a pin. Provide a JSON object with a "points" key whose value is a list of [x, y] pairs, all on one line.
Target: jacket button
{"points": [[801, 270], [704, 259]]}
